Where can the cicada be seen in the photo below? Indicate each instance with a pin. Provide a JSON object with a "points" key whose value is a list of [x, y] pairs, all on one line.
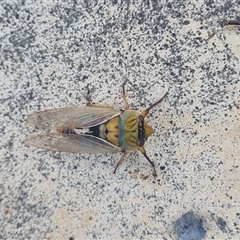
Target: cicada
{"points": [[93, 129]]}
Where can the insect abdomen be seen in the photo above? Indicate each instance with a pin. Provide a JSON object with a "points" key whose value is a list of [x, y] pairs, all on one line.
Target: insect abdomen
{"points": [[66, 131], [112, 131]]}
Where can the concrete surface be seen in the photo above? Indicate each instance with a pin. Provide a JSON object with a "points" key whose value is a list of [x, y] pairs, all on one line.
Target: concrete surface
{"points": [[52, 51]]}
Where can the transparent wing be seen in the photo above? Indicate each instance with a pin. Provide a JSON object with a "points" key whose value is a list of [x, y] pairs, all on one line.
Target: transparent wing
{"points": [[72, 117], [75, 143]]}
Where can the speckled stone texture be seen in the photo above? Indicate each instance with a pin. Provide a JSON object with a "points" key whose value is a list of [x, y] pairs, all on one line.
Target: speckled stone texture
{"points": [[53, 51]]}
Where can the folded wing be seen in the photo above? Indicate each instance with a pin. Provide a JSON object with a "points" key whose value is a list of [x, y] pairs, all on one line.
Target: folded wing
{"points": [[73, 143], [72, 117]]}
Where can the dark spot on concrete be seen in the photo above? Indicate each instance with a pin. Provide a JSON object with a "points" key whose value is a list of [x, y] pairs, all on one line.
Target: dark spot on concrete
{"points": [[186, 22], [162, 168], [189, 227], [19, 225], [222, 224]]}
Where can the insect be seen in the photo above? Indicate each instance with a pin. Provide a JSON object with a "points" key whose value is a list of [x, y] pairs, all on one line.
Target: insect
{"points": [[93, 129]]}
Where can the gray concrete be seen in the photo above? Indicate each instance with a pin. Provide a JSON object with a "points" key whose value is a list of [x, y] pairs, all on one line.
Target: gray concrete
{"points": [[51, 51]]}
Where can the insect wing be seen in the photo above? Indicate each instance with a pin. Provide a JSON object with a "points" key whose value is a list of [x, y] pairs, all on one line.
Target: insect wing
{"points": [[72, 117], [75, 143]]}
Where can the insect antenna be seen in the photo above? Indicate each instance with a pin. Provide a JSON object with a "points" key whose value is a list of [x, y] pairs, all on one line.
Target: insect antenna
{"points": [[146, 111]]}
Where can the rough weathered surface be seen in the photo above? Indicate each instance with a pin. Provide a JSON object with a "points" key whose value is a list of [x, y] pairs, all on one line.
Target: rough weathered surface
{"points": [[52, 51]]}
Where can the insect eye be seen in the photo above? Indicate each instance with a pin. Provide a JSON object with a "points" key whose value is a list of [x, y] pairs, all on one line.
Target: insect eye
{"points": [[140, 118], [141, 131]]}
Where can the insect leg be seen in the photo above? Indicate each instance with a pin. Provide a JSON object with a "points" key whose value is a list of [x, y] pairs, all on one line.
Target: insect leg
{"points": [[120, 161], [143, 151], [124, 96]]}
